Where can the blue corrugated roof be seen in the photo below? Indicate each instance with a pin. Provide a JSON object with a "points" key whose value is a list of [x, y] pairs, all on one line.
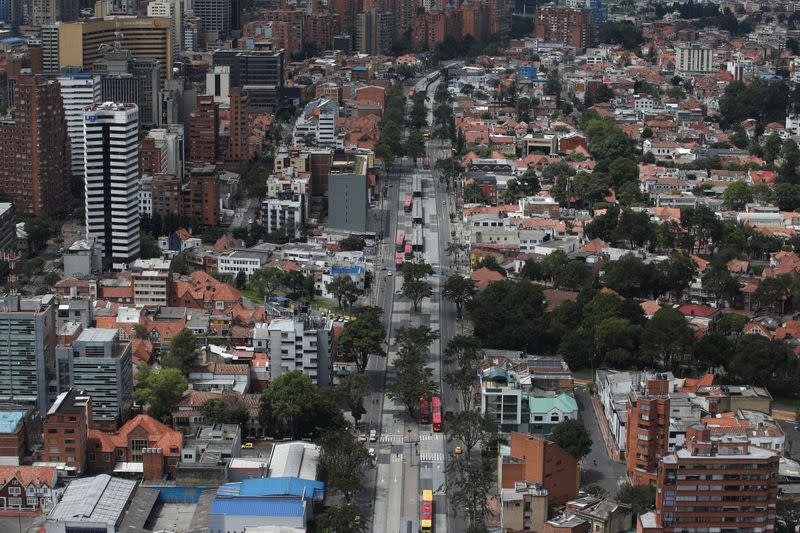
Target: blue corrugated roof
{"points": [[9, 420], [342, 271], [275, 486], [258, 506]]}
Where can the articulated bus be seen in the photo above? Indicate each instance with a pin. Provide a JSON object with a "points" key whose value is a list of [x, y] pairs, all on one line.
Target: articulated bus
{"points": [[407, 204], [400, 242], [436, 414], [424, 410], [398, 260], [426, 514], [411, 92], [409, 252]]}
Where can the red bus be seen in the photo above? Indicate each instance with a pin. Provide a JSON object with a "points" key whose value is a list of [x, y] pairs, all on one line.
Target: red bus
{"points": [[407, 204], [411, 91], [426, 514], [398, 260], [424, 411], [400, 243], [409, 252], [436, 413], [426, 164]]}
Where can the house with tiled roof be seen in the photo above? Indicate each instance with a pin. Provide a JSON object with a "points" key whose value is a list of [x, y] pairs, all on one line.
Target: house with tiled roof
{"points": [[26, 489], [202, 291], [484, 276], [188, 416], [143, 444]]}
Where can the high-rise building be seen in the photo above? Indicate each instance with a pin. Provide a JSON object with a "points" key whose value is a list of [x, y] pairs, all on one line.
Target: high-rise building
{"points": [[303, 343], [203, 199], [714, 484], [11, 12], [215, 16], [374, 32], [169, 141], [694, 58], [151, 158], [260, 73], [558, 24], [78, 91], [204, 131], [27, 348], [239, 143], [151, 282], [34, 148], [172, 10], [131, 80], [50, 44], [316, 125], [66, 429], [81, 44], [283, 213], [347, 197], [111, 181], [99, 364]]}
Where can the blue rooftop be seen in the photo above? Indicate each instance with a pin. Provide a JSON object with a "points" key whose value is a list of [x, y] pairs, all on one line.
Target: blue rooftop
{"points": [[359, 68], [258, 506], [346, 271], [9, 420], [79, 75], [274, 486], [11, 40]]}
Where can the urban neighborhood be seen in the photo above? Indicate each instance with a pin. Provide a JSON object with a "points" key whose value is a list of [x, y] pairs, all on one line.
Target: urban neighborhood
{"points": [[404, 266]]}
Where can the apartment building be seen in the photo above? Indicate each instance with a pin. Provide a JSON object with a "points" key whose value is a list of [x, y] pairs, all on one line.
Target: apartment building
{"points": [[317, 124], [151, 282], [302, 343], [714, 484], [27, 344], [78, 91], [284, 213], [100, 365], [66, 430], [694, 58]]}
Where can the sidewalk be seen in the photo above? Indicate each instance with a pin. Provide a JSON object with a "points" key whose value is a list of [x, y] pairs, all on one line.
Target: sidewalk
{"points": [[611, 445]]}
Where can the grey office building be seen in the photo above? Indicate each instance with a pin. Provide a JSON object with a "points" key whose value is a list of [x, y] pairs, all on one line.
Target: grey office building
{"points": [[126, 79], [258, 72], [27, 348], [99, 364], [347, 202], [216, 16]]}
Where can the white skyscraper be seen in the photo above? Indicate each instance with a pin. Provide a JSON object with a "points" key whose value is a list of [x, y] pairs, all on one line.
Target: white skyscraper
{"points": [[78, 91], [111, 172]]}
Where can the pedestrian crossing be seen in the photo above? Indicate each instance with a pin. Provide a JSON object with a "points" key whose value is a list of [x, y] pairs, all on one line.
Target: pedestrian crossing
{"points": [[397, 457], [431, 457], [431, 436], [392, 439]]}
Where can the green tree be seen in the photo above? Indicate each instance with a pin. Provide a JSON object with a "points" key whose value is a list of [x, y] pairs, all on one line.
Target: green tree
{"points": [[160, 390], [241, 280], [641, 498], [788, 196], [293, 406], [416, 271], [416, 291], [148, 246], [623, 170], [772, 293], [342, 519], [719, 283], [510, 315], [351, 391], [572, 437], [266, 281], [341, 462], [737, 195], [362, 338], [667, 337], [352, 243], [229, 409], [460, 291], [468, 485], [39, 232], [573, 276], [344, 289], [791, 159], [463, 353], [529, 183], [713, 350], [456, 250], [624, 33], [678, 273], [764, 363], [182, 351], [415, 145], [471, 429], [772, 148], [788, 515]]}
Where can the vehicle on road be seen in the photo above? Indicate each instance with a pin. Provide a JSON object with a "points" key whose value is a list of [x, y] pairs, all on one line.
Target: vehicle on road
{"points": [[436, 414], [448, 415], [426, 513], [389, 273], [424, 411], [247, 446], [373, 435], [371, 452], [458, 450], [362, 438]]}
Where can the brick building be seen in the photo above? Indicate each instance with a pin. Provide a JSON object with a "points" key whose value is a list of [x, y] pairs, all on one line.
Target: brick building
{"points": [[18, 430], [66, 430], [202, 201], [238, 144], [648, 429], [142, 440], [537, 460], [26, 490], [149, 157], [557, 24], [204, 131], [714, 485], [34, 148]]}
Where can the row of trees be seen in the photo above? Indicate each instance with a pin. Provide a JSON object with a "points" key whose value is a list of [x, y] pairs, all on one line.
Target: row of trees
{"points": [[267, 281]]}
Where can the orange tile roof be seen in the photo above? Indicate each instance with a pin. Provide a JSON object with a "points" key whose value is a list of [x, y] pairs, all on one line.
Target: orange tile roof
{"points": [[38, 476], [484, 276], [158, 436]]}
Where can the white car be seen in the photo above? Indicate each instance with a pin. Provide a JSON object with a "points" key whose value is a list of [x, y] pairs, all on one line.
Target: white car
{"points": [[389, 273], [371, 452], [373, 435]]}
